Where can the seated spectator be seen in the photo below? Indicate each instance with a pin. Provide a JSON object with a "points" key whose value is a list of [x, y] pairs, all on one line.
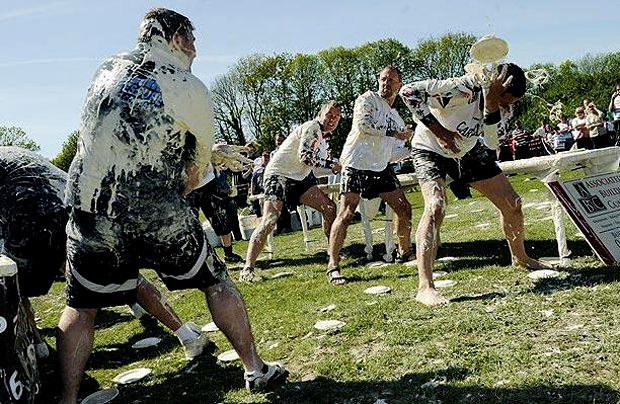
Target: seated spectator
{"points": [[581, 134]]}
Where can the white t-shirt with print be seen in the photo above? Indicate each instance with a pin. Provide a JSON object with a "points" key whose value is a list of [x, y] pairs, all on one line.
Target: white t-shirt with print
{"points": [[457, 105]]}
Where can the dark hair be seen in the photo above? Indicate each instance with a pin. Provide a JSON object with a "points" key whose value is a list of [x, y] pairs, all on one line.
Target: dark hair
{"points": [[518, 83], [165, 23], [393, 69]]}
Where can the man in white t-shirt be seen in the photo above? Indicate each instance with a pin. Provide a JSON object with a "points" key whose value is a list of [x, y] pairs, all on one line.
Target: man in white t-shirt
{"points": [[614, 108], [377, 130], [452, 115], [290, 180]]}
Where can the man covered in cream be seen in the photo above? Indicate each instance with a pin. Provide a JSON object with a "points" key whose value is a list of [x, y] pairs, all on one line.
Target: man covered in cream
{"points": [[452, 115], [146, 138]]}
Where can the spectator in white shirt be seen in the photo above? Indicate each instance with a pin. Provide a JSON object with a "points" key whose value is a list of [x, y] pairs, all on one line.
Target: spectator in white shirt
{"points": [[581, 134], [614, 108], [453, 114]]}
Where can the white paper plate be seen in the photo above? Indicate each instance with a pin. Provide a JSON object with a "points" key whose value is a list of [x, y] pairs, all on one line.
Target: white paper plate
{"points": [[543, 274], [413, 263], [472, 203], [211, 327], [329, 325], [451, 216], [483, 226], [146, 343], [276, 263], [439, 274], [446, 259], [377, 264], [3, 324], [477, 211], [101, 397], [327, 309], [530, 205], [132, 376], [282, 275], [489, 49], [228, 356], [378, 290], [444, 283]]}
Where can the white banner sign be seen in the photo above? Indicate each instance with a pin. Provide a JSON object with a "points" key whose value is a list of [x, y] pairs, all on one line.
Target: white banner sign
{"points": [[593, 204]]}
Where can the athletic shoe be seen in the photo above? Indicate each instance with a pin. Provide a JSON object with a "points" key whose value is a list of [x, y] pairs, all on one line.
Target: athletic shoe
{"points": [[271, 373], [408, 256], [233, 258], [195, 347], [248, 275]]}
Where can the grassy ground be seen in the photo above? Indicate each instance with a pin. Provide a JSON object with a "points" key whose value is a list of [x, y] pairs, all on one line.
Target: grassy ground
{"points": [[504, 338]]}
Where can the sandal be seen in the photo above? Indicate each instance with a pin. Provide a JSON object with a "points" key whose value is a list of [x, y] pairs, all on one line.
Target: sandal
{"points": [[334, 277]]}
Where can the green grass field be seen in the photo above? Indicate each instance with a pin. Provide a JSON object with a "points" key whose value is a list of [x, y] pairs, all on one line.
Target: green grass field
{"points": [[503, 339]]}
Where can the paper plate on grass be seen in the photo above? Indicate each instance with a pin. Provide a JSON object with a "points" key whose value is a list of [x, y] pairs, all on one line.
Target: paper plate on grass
{"points": [[101, 397], [146, 343], [543, 274], [211, 327], [446, 259], [444, 283], [439, 274], [377, 290], [377, 264], [276, 263], [282, 275], [329, 325], [132, 376], [452, 216], [228, 356], [413, 263], [482, 226]]}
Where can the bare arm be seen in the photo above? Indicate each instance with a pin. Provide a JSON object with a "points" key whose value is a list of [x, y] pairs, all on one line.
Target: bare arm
{"points": [[309, 152]]}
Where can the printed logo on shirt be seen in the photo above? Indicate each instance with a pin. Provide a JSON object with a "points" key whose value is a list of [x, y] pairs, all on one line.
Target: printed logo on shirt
{"points": [[141, 88]]}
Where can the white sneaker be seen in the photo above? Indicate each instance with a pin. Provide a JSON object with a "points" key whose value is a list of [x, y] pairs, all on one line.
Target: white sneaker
{"points": [[259, 381], [195, 347]]}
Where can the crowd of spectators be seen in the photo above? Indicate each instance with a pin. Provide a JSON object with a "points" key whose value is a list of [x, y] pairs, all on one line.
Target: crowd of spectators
{"points": [[590, 128]]}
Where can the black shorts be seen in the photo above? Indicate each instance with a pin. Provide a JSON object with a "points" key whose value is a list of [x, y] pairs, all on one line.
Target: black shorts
{"points": [[105, 255], [368, 184], [477, 165], [289, 191], [37, 245], [220, 210]]}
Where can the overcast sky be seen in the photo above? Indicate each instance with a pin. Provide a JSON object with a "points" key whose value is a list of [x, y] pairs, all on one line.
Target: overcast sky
{"points": [[52, 48]]}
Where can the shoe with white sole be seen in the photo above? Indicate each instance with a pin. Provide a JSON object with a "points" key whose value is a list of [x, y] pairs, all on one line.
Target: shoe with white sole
{"points": [[271, 374], [195, 347]]}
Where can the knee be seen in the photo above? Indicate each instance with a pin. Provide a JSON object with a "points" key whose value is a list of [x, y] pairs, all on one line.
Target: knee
{"points": [[514, 206], [436, 209], [347, 216]]}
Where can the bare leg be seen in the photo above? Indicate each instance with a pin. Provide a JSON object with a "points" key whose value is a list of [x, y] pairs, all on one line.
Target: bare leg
{"points": [[427, 238], [271, 212], [229, 314], [348, 203], [316, 199], [75, 343], [151, 299], [401, 207], [226, 240], [33, 323], [504, 197]]}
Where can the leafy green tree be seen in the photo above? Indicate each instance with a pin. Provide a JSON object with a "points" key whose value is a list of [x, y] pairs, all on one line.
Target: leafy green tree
{"points": [[16, 136], [443, 57], [69, 148]]}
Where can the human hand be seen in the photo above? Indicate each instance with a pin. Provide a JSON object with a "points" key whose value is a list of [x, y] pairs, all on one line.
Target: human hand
{"points": [[499, 84], [336, 167], [404, 135]]}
